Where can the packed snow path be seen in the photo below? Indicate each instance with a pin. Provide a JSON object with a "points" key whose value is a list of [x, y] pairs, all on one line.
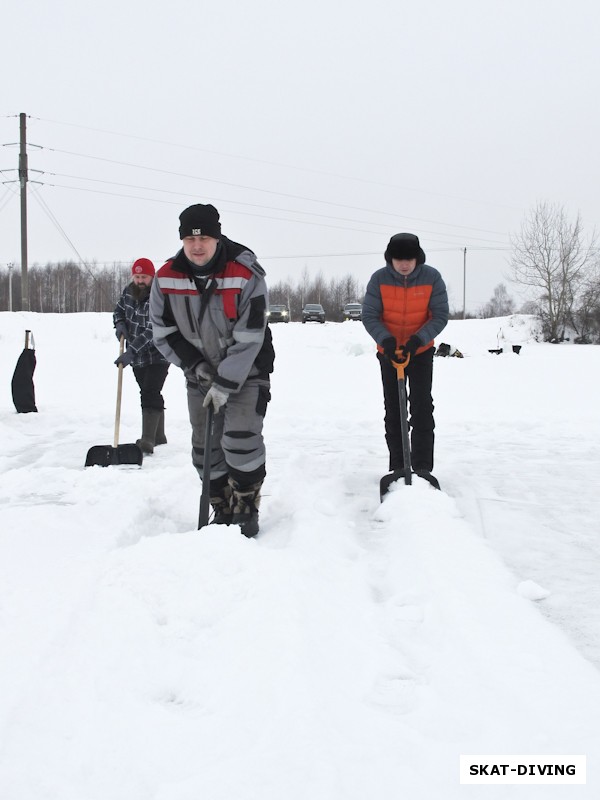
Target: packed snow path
{"points": [[353, 649]]}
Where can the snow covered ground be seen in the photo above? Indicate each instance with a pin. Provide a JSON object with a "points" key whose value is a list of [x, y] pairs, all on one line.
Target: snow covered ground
{"points": [[352, 650]]}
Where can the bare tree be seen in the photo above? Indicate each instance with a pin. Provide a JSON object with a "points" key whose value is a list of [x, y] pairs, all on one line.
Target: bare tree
{"points": [[585, 318], [550, 256], [500, 305]]}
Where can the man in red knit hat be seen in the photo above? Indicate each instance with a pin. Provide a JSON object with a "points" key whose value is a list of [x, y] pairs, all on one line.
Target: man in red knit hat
{"points": [[131, 319]]}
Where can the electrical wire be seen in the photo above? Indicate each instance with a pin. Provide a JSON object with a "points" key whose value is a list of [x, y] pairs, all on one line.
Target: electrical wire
{"points": [[310, 170], [264, 191], [249, 205]]}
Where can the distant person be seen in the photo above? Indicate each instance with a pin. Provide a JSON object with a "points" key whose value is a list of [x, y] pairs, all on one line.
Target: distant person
{"points": [[405, 307], [131, 319], [208, 309]]}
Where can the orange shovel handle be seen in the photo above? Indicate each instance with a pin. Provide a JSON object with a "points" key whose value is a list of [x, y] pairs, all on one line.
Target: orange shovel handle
{"points": [[401, 364]]}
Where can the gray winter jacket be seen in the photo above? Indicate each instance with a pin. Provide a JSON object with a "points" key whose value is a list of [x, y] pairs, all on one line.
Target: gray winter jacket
{"points": [[220, 320]]}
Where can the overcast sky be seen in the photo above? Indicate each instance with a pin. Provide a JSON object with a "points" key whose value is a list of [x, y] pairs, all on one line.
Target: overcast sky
{"points": [[319, 129]]}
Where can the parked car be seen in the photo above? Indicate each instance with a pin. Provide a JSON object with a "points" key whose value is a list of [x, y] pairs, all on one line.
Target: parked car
{"points": [[278, 314], [313, 312], [353, 311]]}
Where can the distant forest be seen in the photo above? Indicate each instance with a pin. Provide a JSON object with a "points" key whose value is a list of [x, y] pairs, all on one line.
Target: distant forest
{"points": [[67, 287]]}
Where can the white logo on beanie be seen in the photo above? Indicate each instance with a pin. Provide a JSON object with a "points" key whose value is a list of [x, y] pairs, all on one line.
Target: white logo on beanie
{"points": [[196, 231]]}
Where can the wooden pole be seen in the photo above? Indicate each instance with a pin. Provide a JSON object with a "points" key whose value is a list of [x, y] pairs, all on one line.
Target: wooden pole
{"points": [[23, 178]]}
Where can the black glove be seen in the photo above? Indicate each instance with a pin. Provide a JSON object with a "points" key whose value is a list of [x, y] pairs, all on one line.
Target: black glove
{"points": [[125, 358], [389, 347], [410, 348], [121, 330]]}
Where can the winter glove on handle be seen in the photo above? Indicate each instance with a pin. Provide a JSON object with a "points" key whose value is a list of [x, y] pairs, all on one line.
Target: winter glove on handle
{"points": [[389, 347], [410, 348], [121, 330], [125, 359], [204, 373], [218, 397]]}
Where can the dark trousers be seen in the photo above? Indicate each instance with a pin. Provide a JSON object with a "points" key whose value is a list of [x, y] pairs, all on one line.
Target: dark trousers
{"points": [[418, 376], [151, 380]]}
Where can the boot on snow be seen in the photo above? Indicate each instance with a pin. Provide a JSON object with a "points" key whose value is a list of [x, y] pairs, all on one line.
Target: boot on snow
{"points": [[150, 417], [160, 430], [220, 499], [427, 476], [245, 502]]}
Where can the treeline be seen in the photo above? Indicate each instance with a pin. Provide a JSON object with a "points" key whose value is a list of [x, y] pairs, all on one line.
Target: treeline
{"points": [[550, 259], [66, 287]]}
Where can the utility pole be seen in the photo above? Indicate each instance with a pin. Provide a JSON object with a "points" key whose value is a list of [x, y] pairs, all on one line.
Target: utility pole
{"points": [[23, 178], [465, 283], [10, 266]]}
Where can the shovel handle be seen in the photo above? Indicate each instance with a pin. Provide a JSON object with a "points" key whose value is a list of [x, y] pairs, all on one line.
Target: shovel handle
{"points": [[205, 494], [119, 393], [401, 363]]}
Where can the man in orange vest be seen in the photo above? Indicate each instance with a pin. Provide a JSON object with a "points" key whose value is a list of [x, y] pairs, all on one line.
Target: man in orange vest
{"points": [[405, 308]]}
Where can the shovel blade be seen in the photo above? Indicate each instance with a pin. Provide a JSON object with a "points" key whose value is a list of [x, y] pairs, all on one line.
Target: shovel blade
{"points": [[387, 480], [104, 455]]}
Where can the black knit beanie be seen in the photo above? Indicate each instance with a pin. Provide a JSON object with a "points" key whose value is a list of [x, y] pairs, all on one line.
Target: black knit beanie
{"points": [[200, 220], [404, 246]]}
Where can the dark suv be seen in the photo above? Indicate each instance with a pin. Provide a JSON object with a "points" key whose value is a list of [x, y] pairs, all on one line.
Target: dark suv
{"points": [[313, 312], [278, 314], [353, 311]]}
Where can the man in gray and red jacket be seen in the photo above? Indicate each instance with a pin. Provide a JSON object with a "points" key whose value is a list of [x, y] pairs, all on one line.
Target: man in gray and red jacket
{"points": [[208, 310]]}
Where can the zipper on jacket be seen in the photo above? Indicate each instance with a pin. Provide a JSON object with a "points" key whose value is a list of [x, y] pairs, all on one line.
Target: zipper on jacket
{"points": [[405, 309], [190, 315]]}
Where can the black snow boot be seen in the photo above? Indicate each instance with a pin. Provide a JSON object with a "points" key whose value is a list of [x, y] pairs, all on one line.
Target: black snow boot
{"points": [[245, 503], [220, 499], [427, 476], [150, 418], [160, 430]]}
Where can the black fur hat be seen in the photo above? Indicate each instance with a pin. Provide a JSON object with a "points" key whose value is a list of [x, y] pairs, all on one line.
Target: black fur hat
{"points": [[404, 246]]}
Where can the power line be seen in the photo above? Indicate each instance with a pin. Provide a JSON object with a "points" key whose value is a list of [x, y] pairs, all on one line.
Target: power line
{"points": [[264, 191], [355, 229], [240, 203], [456, 248], [56, 223], [311, 170]]}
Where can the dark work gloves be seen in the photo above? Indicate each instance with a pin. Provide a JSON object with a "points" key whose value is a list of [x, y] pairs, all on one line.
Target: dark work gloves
{"points": [[410, 348], [125, 359], [121, 330], [389, 347], [204, 372]]}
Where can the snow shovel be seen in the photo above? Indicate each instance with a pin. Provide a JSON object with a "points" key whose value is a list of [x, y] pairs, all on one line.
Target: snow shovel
{"points": [[406, 471], [23, 390], [205, 495], [103, 455]]}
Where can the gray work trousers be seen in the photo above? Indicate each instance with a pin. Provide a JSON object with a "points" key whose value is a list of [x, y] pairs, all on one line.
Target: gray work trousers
{"points": [[237, 448]]}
